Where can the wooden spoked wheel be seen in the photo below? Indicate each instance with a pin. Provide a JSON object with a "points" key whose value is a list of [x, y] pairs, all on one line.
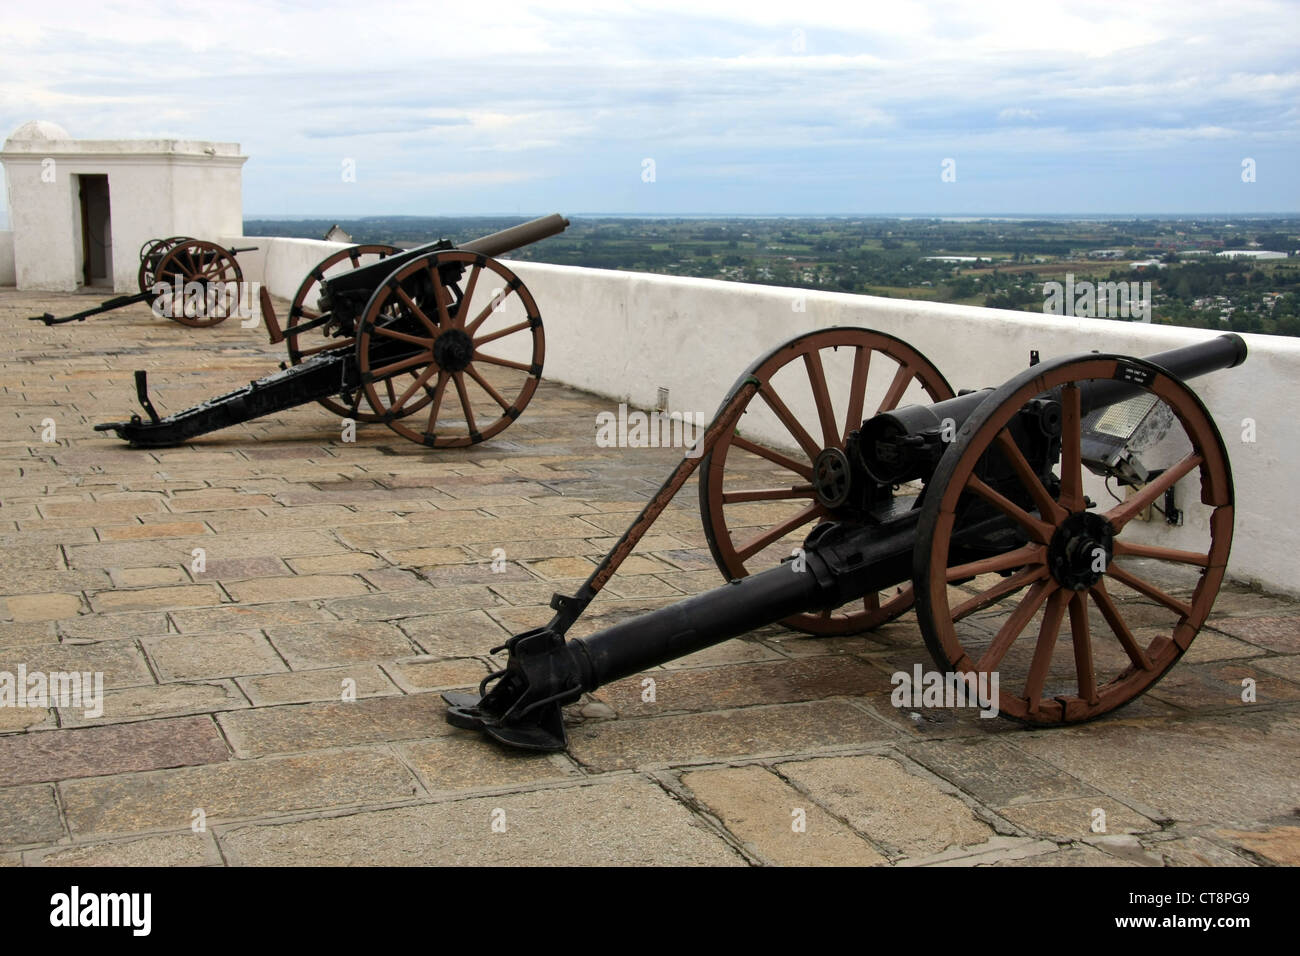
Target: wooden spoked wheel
{"points": [[1009, 619], [478, 354], [756, 495], [213, 268], [151, 254], [305, 308]]}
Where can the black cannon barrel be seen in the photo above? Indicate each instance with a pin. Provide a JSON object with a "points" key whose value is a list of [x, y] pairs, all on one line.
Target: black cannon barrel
{"points": [[1222, 352]]}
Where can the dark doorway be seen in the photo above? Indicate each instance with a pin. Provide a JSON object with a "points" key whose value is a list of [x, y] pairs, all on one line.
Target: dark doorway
{"points": [[96, 230]]}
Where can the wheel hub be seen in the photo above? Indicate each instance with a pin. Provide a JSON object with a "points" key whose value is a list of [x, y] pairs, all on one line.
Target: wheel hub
{"points": [[1081, 550], [453, 350], [831, 477]]}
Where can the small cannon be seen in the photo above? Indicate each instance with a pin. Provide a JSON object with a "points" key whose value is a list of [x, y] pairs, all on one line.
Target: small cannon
{"points": [[971, 508], [178, 273], [399, 333]]}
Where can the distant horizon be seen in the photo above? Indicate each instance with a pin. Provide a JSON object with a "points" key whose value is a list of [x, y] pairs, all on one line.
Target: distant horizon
{"points": [[958, 217], [963, 217]]}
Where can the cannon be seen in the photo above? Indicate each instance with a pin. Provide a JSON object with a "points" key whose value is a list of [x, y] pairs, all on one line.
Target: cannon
{"points": [[399, 331], [191, 281], [975, 509]]}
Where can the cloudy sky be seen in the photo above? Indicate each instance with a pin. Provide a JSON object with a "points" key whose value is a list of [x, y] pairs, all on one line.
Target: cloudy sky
{"points": [[760, 107]]}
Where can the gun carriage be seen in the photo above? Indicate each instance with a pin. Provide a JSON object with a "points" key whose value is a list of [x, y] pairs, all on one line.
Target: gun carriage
{"points": [[191, 281], [971, 508], [442, 343]]}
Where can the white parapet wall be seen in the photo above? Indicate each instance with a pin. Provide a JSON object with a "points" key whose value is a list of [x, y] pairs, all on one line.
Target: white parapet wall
{"points": [[625, 335]]}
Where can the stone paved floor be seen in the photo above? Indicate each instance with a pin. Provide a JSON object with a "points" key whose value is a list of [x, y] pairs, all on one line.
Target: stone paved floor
{"points": [[224, 738]]}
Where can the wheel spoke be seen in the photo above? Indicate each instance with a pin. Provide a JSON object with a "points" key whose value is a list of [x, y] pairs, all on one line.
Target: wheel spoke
{"points": [[857, 389], [896, 389], [775, 457], [1149, 589], [1071, 449], [439, 290], [493, 305], [878, 613], [1161, 554], [767, 494], [1122, 514], [1047, 633], [483, 384], [1082, 640], [403, 365], [438, 392], [791, 423], [468, 296], [411, 389], [757, 544], [391, 333], [504, 363], [1000, 590], [1048, 509], [1040, 531], [1101, 597], [1013, 625], [812, 360], [1029, 553], [492, 337], [416, 310], [464, 401]]}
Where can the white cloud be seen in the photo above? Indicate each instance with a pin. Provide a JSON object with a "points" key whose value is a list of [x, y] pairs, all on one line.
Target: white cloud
{"points": [[573, 88]]}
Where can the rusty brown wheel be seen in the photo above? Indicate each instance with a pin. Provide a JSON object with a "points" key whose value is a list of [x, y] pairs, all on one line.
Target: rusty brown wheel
{"points": [[485, 347], [305, 310], [756, 495], [1067, 557], [208, 269], [151, 254]]}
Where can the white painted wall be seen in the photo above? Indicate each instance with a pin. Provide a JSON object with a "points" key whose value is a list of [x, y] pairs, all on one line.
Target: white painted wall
{"points": [[157, 188], [623, 335], [6, 258]]}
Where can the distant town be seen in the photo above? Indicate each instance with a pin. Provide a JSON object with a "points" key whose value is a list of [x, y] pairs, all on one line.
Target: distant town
{"points": [[1241, 274]]}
